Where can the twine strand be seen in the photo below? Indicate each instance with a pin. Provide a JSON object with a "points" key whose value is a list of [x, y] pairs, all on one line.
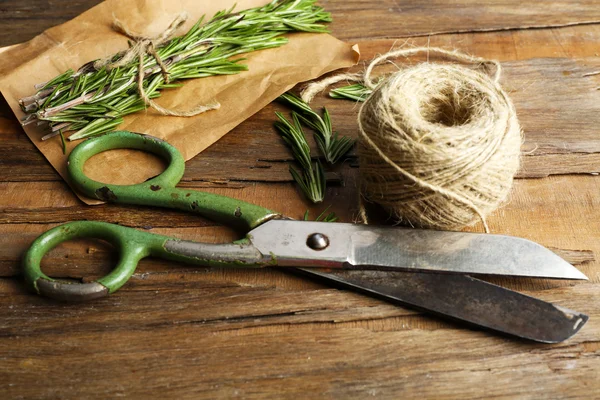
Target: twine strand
{"points": [[451, 55], [314, 88], [309, 93], [145, 45]]}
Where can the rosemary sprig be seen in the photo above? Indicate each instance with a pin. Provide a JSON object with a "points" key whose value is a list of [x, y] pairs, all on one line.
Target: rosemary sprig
{"points": [[331, 217], [333, 146], [312, 177], [91, 102], [356, 92]]}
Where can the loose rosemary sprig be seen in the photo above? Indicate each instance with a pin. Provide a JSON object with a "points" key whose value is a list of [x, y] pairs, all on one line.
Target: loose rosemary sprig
{"points": [[356, 92], [91, 102], [312, 177], [331, 217], [333, 146]]}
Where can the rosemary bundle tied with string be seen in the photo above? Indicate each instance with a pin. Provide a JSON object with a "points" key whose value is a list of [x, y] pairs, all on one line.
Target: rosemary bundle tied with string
{"points": [[94, 99]]}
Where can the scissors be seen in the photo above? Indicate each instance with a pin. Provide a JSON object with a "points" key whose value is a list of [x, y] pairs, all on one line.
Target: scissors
{"points": [[422, 268]]}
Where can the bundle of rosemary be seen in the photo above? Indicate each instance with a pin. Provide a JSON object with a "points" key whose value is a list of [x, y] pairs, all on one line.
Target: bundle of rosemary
{"points": [[94, 99], [333, 146]]}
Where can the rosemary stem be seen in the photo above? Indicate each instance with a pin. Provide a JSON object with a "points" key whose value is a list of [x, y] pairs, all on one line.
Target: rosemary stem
{"points": [[63, 126], [75, 102], [39, 95], [51, 135]]}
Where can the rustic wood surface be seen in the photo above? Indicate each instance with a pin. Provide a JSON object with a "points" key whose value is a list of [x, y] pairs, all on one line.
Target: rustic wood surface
{"points": [[198, 333]]}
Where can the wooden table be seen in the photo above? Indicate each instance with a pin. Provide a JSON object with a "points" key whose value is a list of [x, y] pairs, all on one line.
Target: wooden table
{"points": [[198, 333]]}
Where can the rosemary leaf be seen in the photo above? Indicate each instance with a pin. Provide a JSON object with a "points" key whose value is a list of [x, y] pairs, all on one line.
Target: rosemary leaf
{"points": [[331, 217], [62, 140]]}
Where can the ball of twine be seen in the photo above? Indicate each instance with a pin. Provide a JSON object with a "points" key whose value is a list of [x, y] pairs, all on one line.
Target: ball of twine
{"points": [[439, 144]]}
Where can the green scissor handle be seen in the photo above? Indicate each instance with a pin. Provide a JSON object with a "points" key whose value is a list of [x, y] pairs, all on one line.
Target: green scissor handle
{"points": [[160, 191], [132, 248], [134, 245]]}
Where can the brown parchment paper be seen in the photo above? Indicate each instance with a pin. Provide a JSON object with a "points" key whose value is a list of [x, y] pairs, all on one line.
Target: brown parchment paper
{"points": [[90, 36]]}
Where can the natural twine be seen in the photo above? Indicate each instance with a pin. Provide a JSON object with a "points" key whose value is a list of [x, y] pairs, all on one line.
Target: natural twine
{"points": [[439, 144], [147, 45]]}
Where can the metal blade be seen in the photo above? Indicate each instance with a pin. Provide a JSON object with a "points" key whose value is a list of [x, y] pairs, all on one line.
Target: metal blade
{"points": [[335, 245], [467, 299]]}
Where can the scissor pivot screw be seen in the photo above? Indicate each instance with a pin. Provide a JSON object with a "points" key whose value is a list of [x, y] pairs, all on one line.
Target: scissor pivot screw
{"points": [[317, 241]]}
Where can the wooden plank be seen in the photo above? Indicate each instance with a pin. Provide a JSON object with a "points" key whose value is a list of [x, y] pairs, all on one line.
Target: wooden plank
{"points": [[384, 18], [23, 20], [297, 346], [394, 19]]}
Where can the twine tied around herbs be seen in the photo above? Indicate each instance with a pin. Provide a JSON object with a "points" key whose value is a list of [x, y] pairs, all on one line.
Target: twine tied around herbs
{"points": [[439, 144], [143, 45]]}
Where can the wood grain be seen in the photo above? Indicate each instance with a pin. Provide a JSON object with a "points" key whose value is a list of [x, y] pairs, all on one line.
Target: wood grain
{"points": [[23, 20], [397, 19], [186, 332], [384, 18], [283, 344]]}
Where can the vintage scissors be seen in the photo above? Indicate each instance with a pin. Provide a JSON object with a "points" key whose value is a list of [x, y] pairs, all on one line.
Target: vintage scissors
{"points": [[422, 268]]}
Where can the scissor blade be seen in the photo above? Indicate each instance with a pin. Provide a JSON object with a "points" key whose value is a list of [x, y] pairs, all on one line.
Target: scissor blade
{"points": [[467, 299], [369, 247]]}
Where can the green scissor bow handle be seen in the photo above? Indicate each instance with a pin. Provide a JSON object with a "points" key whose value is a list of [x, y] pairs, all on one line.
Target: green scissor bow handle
{"points": [[160, 191], [134, 245]]}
